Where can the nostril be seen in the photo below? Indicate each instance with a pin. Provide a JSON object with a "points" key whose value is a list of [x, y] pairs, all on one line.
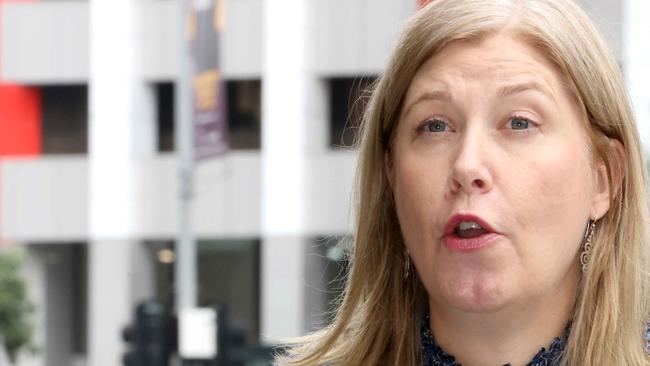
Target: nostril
{"points": [[478, 181]]}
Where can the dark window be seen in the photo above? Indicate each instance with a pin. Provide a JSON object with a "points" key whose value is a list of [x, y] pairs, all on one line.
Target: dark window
{"points": [[348, 98], [325, 276], [65, 119], [79, 268], [244, 114], [65, 268], [165, 116], [228, 274]]}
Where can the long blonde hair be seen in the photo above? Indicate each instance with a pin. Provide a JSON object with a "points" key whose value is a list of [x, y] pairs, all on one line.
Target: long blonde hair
{"points": [[379, 314]]}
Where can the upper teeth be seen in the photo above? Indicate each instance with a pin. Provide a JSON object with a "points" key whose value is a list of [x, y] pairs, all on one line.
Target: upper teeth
{"points": [[466, 225]]}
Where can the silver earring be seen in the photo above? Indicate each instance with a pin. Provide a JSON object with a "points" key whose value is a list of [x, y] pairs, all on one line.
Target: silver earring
{"points": [[586, 248], [407, 264]]}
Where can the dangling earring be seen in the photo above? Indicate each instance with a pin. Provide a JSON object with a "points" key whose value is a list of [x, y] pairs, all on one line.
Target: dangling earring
{"points": [[407, 264], [586, 248]]}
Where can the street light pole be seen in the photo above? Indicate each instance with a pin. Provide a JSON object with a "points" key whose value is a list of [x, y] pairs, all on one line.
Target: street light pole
{"points": [[185, 264]]}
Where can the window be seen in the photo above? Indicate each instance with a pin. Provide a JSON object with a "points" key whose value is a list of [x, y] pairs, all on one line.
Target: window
{"points": [[245, 114], [62, 276], [243, 108], [325, 277], [348, 98], [64, 119], [228, 274], [165, 116]]}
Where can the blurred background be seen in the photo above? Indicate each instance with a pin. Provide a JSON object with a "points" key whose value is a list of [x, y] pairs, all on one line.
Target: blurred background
{"points": [[89, 176]]}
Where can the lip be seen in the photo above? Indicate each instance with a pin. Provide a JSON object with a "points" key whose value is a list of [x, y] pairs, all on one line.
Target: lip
{"points": [[458, 218], [468, 244]]}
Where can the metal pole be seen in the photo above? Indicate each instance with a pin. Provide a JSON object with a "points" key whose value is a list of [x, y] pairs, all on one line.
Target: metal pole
{"points": [[185, 264]]}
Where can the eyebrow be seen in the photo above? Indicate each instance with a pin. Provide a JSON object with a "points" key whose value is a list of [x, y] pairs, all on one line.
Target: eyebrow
{"points": [[434, 95], [504, 91]]}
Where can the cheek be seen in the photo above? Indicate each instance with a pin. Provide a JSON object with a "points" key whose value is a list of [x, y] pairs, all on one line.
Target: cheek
{"points": [[419, 194], [414, 193], [552, 199]]}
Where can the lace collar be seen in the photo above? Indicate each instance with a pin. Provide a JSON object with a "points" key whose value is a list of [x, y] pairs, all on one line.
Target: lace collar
{"points": [[433, 355]]}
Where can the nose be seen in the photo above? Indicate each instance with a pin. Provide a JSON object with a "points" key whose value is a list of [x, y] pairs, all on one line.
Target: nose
{"points": [[470, 171]]}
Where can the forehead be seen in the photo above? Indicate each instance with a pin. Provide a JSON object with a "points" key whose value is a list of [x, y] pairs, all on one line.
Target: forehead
{"points": [[499, 58]]}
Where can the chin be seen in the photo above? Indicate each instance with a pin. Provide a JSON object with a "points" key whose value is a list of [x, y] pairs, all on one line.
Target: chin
{"points": [[476, 304], [482, 294]]}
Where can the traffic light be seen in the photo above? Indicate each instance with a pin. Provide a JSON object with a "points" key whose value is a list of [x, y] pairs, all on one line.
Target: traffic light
{"points": [[133, 356], [230, 341], [152, 337]]}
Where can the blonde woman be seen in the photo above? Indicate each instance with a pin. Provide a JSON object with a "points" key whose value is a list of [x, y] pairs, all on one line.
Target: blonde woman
{"points": [[502, 211]]}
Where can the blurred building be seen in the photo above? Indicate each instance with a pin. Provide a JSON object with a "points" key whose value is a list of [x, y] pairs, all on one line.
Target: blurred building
{"points": [[88, 176]]}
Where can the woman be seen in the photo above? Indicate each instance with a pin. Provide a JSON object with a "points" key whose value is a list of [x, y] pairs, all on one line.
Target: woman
{"points": [[502, 215]]}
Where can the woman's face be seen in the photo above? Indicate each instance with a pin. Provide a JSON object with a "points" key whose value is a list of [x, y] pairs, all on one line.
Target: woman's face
{"points": [[492, 176]]}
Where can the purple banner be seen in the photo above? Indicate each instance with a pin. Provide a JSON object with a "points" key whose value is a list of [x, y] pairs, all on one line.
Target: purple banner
{"points": [[205, 23]]}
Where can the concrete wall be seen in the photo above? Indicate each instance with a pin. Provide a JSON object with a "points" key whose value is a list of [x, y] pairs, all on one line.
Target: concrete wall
{"points": [[356, 37], [47, 42], [46, 199], [352, 37]]}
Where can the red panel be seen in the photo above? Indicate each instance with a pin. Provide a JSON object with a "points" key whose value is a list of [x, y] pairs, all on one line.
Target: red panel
{"points": [[20, 120], [422, 3]]}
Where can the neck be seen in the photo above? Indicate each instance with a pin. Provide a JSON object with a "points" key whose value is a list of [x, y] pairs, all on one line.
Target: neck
{"points": [[513, 334]]}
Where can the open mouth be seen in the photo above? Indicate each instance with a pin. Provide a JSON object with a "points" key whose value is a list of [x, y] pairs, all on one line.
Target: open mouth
{"points": [[469, 229], [467, 232]]}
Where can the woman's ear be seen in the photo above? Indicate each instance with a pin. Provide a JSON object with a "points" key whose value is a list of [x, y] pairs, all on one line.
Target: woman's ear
{"points": [[605, 188]]}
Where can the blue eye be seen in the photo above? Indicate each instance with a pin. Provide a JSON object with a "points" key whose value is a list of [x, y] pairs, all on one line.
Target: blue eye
{"points": [[435, 125], [518, 123]]}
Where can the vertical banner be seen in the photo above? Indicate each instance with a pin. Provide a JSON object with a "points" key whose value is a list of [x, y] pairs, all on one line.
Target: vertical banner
{"points": [[205, 22]]}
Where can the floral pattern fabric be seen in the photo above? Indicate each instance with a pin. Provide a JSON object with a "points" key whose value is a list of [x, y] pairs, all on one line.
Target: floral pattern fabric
{"points": [[433, 355]]}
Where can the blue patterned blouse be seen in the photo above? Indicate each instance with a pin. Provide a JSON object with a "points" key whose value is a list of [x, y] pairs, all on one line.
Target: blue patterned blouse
{"points": [[433, 355]]}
